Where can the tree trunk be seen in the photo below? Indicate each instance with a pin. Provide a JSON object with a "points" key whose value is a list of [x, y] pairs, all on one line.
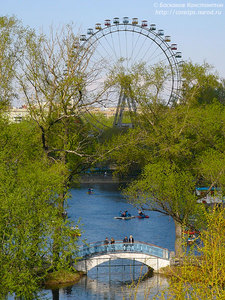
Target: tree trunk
{"points": [[55, 294], [178, 239], [58, 232]]}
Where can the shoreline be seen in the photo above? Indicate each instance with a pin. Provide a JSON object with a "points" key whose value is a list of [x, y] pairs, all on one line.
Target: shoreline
{"points": [[62, 279], [102, 179]]}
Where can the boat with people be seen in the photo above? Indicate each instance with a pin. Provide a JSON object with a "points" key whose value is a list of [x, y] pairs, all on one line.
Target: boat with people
{"points": [[141, 215], [191, 235], [191, 231], [90, 191], [125, 216]]}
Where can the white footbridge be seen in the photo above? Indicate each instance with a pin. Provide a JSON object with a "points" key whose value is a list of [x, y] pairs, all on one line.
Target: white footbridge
{"points": [[97, 253]]}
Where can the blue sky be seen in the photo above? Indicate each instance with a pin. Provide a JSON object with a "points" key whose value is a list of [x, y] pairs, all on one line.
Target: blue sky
{"points": [[197, 26]]}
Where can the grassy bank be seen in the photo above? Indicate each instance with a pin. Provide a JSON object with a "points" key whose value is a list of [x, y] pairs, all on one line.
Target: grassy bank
{"points": [[62, 278]]}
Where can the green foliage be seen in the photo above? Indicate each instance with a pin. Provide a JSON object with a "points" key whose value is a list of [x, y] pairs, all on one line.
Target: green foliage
{"points": [[202, 276], [30, 186], [38, 159], [12, 36], [164, 187], [177, 148], [142, 83], [200, 85], [53, 79]]}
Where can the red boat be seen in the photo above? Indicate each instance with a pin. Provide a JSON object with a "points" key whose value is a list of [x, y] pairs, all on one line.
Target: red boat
{"points": [[191, 232], [142, 216]]}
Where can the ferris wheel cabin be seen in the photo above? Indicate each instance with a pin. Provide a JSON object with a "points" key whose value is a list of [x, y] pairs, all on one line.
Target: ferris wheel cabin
{"points": [[173, 47], [83, 37], [134, 21], [116, 21], [144, 23], [125, 20], [107, 23], [167, 38], [98, 26], [178, 55], [152, 27], [90, 31], [160, 32]]}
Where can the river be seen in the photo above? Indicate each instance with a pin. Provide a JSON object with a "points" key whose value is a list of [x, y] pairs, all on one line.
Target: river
{"points": [[96, 213]]}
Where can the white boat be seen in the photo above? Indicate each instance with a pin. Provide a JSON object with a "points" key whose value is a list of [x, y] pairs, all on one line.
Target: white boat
{"points": [[125, 218]]}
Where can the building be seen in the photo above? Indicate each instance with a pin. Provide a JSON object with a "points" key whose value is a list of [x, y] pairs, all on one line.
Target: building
{"points": [[16, 115]]}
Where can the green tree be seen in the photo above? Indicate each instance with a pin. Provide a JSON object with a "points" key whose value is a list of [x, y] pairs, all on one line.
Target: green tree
{"points": [[29, 189], [202, 276], [54, 78], [12, 36], [172, 143], [54, 82], [166, 189]]}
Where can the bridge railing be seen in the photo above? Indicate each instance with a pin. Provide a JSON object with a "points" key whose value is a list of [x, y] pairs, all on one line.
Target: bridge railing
{"points": [[99, 248]]}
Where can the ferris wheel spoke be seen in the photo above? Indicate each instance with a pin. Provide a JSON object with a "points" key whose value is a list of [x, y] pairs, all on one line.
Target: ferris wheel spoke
{"points": [[148, 49], [126, 55], [102, 46], [140, 51], [162, 60], [157, 48], [119, 42], [111, 47], [96, 51], [134, 48], [108, 55], [157, 57], [168, 89], [99, 58], [114, 49]]}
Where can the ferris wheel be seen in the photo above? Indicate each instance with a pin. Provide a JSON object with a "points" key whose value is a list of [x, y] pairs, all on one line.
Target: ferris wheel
{"points": [[120, 46]]}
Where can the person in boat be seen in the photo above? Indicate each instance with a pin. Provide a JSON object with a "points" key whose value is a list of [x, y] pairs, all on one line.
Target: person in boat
{"points": [[125, 214], [90, 191], [140, 213], [191, 239]]}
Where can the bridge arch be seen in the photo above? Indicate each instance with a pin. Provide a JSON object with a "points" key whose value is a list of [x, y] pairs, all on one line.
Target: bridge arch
{"points": [[98, 253]]}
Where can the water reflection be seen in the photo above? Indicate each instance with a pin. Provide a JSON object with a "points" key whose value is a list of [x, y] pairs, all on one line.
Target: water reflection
{"points": [[119, 280], [97, 213], [89, 289]]}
